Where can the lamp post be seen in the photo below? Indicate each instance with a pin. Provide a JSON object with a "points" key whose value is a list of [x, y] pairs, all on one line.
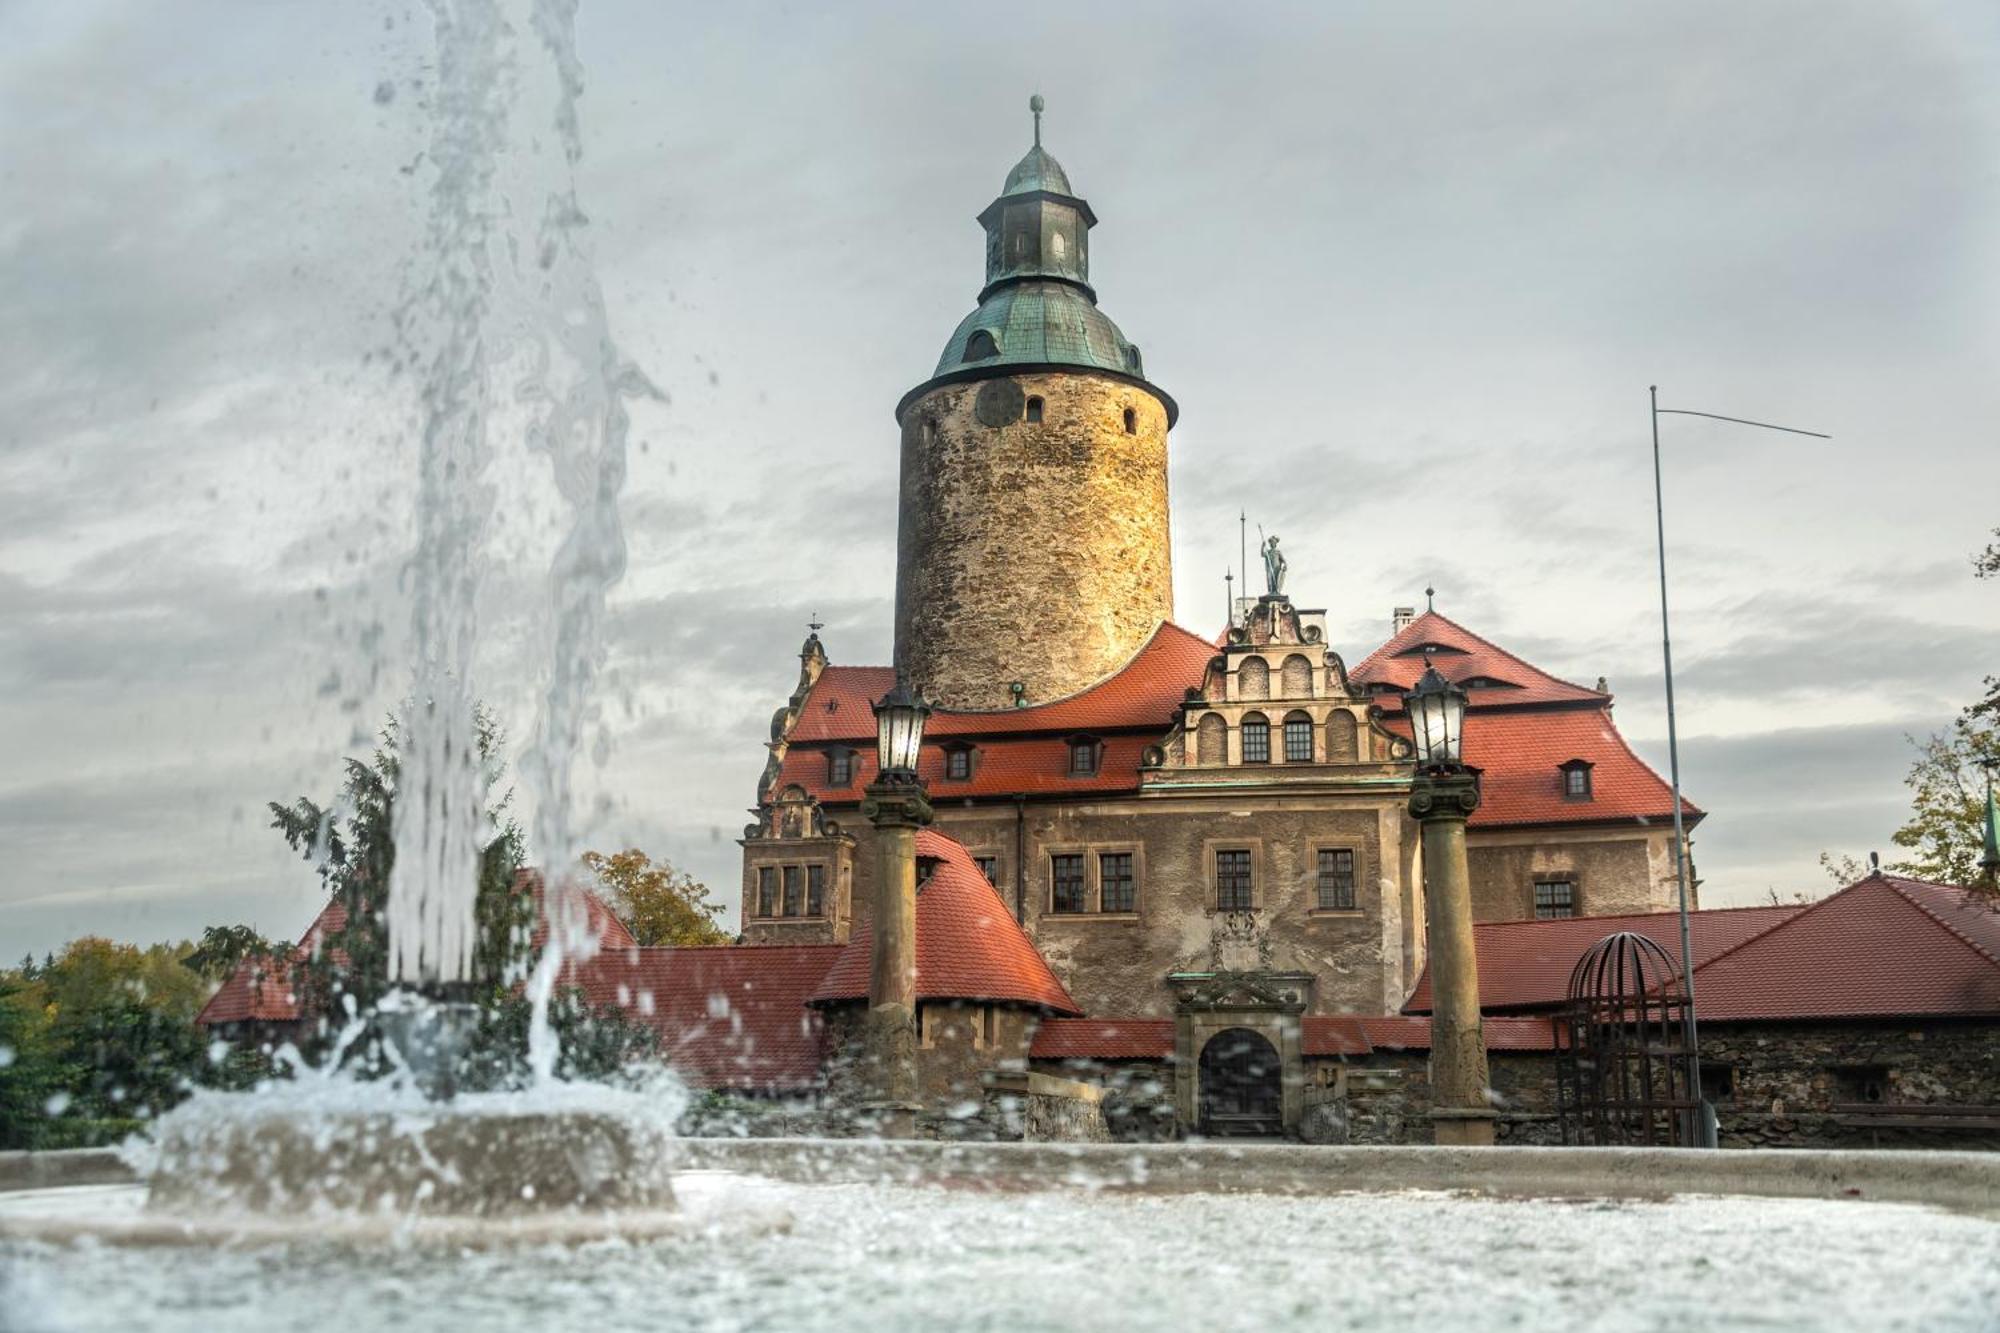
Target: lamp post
{"points": [[1704, 1123], [1446, 791], [895, 803]]}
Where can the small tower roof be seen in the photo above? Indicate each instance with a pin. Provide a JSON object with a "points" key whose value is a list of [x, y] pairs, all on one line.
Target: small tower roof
{"points": [[1037, 309], [1036, 171]]}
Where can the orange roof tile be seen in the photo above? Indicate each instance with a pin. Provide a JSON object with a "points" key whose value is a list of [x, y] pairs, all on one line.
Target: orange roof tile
{"points": [[732, 1016], [1003, 767], [969, 946], [1463, 656], [1526, 964], [1884, 947], [1144, 693], [1103, 1039]]}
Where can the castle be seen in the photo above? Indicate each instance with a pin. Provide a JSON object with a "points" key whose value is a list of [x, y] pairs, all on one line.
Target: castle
{"points": [[1161, 813]]}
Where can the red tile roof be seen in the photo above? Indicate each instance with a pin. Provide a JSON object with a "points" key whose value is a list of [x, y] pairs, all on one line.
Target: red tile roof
{"points": [[733, 1016], [1145, 693], [1885, 947], [1522, 783], [1002, 767], [266, 990], [968, 944], [1103, 1039], [1332, 1034], [1463, 656], [1526, 964]]}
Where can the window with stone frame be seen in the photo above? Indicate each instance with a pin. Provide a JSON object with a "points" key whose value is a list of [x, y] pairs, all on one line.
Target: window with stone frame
{"points": [[1232, 879], [1334, 879], [958, 763], [1068, 892], [767, 890], [1718, 1083], [1298, 739], [1117, 890], [1256, 734], [1032, 412], [1131, 422], [794, 895], [816, 890], [989, 866], [1554, 899], [839, 768]]}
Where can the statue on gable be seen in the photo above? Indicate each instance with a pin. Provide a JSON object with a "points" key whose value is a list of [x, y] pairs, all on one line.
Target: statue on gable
{"points": [[1274, 566]]}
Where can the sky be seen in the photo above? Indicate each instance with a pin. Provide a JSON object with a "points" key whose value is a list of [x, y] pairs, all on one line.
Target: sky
{"points": [[1407, 270]]}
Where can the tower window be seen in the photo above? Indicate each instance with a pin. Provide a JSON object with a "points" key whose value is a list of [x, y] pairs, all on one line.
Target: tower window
{"points": [[767, 890], [1298, 739], [1033, 414], [989, 866], [815, 890], [981, 347], [1131, 422], [794, 904], [1256, 740], [1554, 898]]}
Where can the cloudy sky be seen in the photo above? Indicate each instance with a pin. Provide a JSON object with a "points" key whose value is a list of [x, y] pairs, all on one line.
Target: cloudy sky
{"points": [[1407, 273]]}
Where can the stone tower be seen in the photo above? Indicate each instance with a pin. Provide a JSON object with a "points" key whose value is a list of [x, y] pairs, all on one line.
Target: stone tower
{"points": [[1032, 548]]}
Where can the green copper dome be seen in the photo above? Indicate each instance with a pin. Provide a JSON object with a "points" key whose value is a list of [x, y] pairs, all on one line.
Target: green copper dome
{"points": [[1037, 308], [1041, 323], [1037, 171]]}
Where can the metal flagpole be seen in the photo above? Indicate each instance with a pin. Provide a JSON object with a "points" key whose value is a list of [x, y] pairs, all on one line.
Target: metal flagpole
{"points": [[1700, 1125]]}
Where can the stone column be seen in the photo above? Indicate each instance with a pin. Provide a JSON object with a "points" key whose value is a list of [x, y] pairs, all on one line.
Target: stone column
{"points": [[1460, 1111], [897, 810]]}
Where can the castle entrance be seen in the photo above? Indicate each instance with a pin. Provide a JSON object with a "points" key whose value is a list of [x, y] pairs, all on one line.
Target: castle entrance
{"points": [[1241, 1091]]}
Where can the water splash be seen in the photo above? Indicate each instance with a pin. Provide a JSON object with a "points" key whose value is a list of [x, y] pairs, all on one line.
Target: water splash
{"points": [[519, 330]]}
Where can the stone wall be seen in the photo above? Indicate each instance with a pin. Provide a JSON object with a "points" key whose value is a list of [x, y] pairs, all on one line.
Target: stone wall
{"points": [[1785, 1078], [1030, 551], [1621, 869]]}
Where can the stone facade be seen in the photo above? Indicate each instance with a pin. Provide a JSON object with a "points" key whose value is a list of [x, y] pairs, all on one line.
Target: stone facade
{"points": [[1015, 531], [1614, 869]]}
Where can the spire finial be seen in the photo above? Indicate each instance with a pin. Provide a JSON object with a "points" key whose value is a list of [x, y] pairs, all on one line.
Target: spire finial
{"points": [[815, 624], [1430, 599], [1035, 105]]}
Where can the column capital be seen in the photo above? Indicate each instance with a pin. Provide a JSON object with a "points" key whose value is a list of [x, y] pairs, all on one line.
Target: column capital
{"points": [[893, 804], [1445, 793]]}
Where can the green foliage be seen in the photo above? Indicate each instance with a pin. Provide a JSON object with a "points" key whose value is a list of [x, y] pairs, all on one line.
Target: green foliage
{"points": [[658, 904], [599, 1043], [1944, 835], [222, 948], [100, 1039], [352, 846]]}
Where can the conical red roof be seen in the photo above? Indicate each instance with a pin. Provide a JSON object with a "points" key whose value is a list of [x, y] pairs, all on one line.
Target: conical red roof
{"points": [[969, 946]]}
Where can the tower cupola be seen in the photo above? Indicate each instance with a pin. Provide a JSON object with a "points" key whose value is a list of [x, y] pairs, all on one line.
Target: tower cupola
{"points": [[1032, 549]]}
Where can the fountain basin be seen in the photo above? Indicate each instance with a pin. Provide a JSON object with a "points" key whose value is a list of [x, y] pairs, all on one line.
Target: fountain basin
{"points": [[926, 1236]]}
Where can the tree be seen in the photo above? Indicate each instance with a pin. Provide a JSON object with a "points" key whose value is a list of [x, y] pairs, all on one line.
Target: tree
{"points": [[223, 949], [352, 846], [657, 903], [1946, 827]]}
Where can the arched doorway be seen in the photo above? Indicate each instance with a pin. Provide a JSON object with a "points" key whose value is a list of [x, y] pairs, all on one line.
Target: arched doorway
{"points": [[1240, 1092]]}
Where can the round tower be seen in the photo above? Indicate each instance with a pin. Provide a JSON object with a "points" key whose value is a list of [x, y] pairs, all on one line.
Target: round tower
{"points": [[1032, 549]]}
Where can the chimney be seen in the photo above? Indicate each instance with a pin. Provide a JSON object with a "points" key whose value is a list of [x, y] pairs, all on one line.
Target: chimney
{"points": [[1400, 618]]}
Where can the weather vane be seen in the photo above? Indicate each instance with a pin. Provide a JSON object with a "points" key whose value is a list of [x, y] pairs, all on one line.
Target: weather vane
{"points": [[815, 624], [1035, 104]]}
